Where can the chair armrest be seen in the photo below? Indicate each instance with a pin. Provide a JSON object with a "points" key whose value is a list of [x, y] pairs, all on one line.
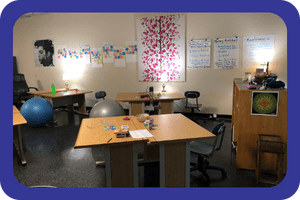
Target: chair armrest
{"points": [[33, 88]]}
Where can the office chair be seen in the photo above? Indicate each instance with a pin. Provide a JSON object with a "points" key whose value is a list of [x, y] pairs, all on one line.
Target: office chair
{"points": [[189, 96], [20, 89], [100, 95], [206, 150]]}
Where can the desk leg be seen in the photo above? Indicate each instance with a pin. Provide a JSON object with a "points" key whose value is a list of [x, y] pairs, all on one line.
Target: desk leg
{"points": [[162, 165], [121, 165], [107, 166], [18, 143], [81, 103], [166, 107], [174, 169], [136, 108], [187, 164]]}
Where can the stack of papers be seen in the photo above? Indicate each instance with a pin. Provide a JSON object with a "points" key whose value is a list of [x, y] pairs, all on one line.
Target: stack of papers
{"points": [[140, 133]]}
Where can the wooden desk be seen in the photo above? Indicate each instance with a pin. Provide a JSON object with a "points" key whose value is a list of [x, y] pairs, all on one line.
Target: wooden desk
{"points": [[137, 104], [18, 120], [39, 92], [172, 134], [67, 97], [247, 127], [120, 153]]}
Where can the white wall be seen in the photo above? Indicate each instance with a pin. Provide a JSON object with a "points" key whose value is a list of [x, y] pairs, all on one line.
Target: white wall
{"points": [[94, 28]]}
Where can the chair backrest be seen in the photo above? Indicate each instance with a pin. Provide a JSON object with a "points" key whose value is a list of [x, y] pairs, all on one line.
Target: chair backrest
{"points": [[100, 95], [19, 84], [219, 131], [191, 95]]}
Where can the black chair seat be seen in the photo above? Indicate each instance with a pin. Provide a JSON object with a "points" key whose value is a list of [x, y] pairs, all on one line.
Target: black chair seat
{"points": [[203, 148], [206, 150], [20, 89], [193, 96], [100, 95]]}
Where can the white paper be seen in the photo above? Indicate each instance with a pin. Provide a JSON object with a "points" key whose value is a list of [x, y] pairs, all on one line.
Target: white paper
{"points": [[120, 56], [140, 133], [198, 54], [131, 51], [96, 57], [84, 53], [226, 53], [108, 52], [62, 53], [257, 50]]}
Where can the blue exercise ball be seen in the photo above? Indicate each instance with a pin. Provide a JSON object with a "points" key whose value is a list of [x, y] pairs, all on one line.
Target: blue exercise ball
{"points": [[37, 111], [106, 108]]}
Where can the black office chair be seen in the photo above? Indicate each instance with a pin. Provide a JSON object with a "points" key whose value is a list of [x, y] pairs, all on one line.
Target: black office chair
{"points": [[100, 95], [21, 88], [190, 95], [206, 150]]}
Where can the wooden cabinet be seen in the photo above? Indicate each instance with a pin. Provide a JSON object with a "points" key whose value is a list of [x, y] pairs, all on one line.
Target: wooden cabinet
{"points": [[246, 127]]}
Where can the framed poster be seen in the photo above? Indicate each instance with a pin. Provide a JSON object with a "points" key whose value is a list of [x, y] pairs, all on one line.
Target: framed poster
{"points": [[264, 103]]}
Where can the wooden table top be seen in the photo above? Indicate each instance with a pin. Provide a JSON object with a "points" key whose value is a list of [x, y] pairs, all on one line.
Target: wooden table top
{"points": [[65, 93], [15, 109], [48, 91], [92, 133], [172, 95], [176, 127], [18, 117], [135, 96], [168, 128]]}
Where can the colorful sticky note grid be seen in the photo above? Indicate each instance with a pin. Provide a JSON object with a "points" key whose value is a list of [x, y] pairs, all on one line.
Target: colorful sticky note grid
{"points": [[119, 54], [107, 49], [130, 49]]}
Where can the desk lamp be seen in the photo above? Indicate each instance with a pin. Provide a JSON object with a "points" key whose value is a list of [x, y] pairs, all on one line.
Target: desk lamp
{"points": [[66, 78], [163, 86]]}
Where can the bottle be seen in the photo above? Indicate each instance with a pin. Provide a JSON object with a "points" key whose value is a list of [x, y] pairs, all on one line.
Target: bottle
{"points": [[53, 89]]}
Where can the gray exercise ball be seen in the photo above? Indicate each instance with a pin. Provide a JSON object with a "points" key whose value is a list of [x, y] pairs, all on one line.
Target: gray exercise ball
{"points": [[107, 108]]}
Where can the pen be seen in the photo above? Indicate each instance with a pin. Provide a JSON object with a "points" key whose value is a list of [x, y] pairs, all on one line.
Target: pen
{"points": [[109, 140]]}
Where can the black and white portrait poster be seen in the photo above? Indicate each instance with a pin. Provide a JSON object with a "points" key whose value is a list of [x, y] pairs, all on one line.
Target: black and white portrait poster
{"points": [[44, 53]]}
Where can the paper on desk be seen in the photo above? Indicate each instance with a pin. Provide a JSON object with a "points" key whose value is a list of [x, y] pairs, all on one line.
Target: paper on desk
{"points": [[140, 133]]}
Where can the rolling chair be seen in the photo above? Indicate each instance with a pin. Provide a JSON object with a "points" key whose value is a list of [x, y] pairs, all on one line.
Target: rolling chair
{"points": [[100, 95], [20, 89], [206, 150], [189, 96]]}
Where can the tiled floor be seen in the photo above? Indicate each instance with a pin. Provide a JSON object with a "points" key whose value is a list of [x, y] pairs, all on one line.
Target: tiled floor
{"points": [[52, 160]]}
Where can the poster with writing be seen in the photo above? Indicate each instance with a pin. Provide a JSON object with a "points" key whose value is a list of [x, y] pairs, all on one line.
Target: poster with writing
{"points": [[108, 52], [257, 50], [96, 57], [131, 51], [198, 54], [84, 53], [226, 53], [120, 56], [62, 53]]}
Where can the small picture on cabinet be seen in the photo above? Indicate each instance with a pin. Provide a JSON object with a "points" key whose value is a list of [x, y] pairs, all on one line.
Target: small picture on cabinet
{"points": [[264, 103]]}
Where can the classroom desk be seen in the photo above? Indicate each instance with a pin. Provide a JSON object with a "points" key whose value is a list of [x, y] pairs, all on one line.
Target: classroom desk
{"points": [[172, 133], [18, 119], [64, 97], [120, 154], [137, 104]]}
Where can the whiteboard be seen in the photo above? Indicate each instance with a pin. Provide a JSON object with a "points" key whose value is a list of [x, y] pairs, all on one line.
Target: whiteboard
{"points": [[226, 53]]}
